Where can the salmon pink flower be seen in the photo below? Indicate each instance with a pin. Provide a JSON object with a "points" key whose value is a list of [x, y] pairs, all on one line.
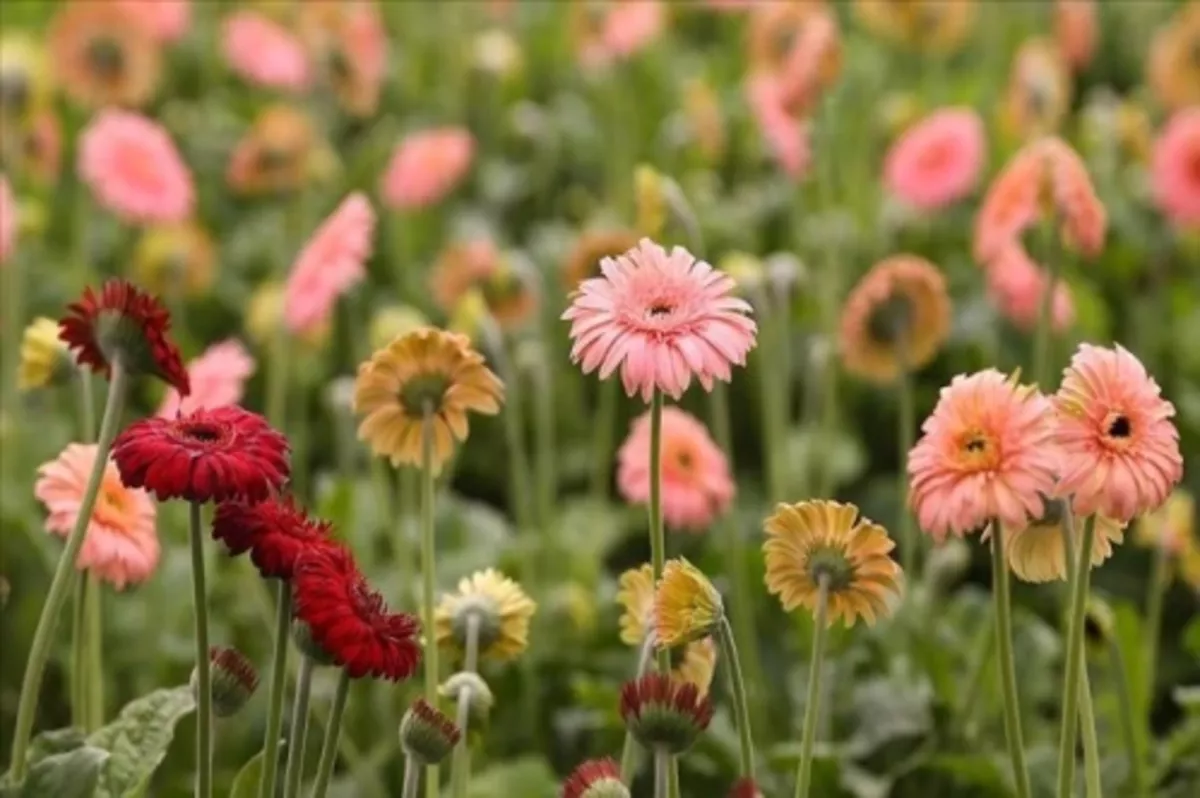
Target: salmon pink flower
{"points": [[120, 545], [165, 20], [329, 265], [1077, 31], [937, 161], [426, 166], [276, 532], [218, 379], [264, 53], [101, 56], [1176, 169], [786, 135], [986, 452], [662, 318], [1120, 450], [812, 64], [617, 31], [1016, 285], [8, 221]]}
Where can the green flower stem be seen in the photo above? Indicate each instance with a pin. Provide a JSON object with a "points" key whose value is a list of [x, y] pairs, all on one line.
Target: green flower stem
{"points": [[277, 377], [908, 539], [673, 778], [544, 462], [203, 670], [981, 661], [1129, 729], [333, 732], [298, 738], [812, 708], [1074, 665], [741, 709], [460, 773], [658, 541], [283, 624], [1008, 673], [518, 471], [662, 770], [770, 389], [87, 405], [93, 690], [1160, 579], [412, 777], [43, 636], [79, 709], [1091, 744], [602, 442], [428, 584], [629, 752], [1043, 345]]}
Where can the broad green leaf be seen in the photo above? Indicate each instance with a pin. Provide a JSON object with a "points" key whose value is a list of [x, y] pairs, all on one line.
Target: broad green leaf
{"points": [[56, 741], [138, 739], [245, 784], [73, 774]]}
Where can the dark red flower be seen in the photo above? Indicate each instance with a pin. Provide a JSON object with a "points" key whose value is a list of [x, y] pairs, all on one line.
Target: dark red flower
{"points": [[122, 321], [745, 788], [275, 532], [218, 454], [604, 775], [350, 621], [663, 713]]}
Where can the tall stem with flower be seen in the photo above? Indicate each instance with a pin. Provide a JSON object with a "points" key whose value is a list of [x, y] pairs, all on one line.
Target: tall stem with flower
{"points": [[1074, 665], [428, 577], [1008, 672], [279, 657]]}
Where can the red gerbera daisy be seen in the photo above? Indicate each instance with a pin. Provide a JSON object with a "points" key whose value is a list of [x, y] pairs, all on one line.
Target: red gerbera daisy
{"points": [[218, 454], [745, 788], [276, 533], [594, 778], [350, 621], [124, 322]]}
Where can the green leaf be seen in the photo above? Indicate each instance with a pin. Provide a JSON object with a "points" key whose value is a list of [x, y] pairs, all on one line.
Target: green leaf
{"points": [[527, 776], [138, 739], [245, 784], [73, 774], [56, 741]]}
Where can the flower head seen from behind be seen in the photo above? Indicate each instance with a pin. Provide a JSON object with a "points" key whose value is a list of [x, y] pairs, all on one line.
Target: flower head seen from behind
{"points": [[937, 161], [496, 605], [330, 264], [817, 542], [1175, 169], [175, 258], [596, 778], [697, 485], [426, 734], [1016, 285], [426, 166], [217, 379], [264, 53], [687, 607], [662, 319], [120, 545], [43, 355], [102, 56], [1119, 449], [696, 661], [986, 452], [663, 714], [8, 220], [134, 170], [276, 532], [1172, 69], [1035, 551]]}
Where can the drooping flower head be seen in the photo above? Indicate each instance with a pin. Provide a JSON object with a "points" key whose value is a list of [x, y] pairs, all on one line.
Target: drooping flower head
{"points": [[1119, 449], [663, 714], [175, 259], [350, 621], [693, 663], [662, 319], [1077, 31], [264, 53], [615, 30], [932, 26], [1016, 285], [8, 220], [280, 154], [1172, 68], [500, 609], [122, 322], [349, 47], [427, 734], [696, 483], [426, 166], [592, 247], [43, 355], [937, 161], [1035, 551], [687, 607], [817, 542], [102, 56], [1038, 96], [217, 379], [1175, 170], [132, 168], [276, 532], [329, 265], [508, 290], [120, 545], [428, 371], [206, 455], [596, 778]]}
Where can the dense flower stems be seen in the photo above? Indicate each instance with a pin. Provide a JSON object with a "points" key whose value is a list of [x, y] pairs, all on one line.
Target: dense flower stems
{"points": [[544, 465], [283, 623], [460, 773], [298, 738], [1160, 578], [333, 732], [1091, 744], [1129, 728], [94, 660], [518, 455], [772, 416], [1008, 673], [602, 439], [203, 666], [43, 636], [907, 420], [629, 751], [741, 709], [428, 586], [662, 769], [658, 541], [812, 703], [412, 777], [1071, 688], [79, 708]]}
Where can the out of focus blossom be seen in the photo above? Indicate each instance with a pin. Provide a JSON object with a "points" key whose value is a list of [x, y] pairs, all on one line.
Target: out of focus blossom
{"points": [[509, 291], [1077, 31], [1172, 68], [706, 122], [786, 136], [1172, 526], [218, 379], [279, 154], [25, 85], [8, 220], [1038, 95], [392, 321], [496, 52], [1175, 170], [592, 246], [102, 56], [938, 160], [175, 259], [264, 319], [812, 64], [933, 26], [1016, 287], [265, 53], [33, 148], [43, 355], [426, 166], [349, 46], [332, 262], [615, 29], [775, 29], [165, 20]]}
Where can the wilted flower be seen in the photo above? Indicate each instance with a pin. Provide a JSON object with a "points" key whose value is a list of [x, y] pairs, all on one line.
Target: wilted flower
{"points": [[937, 161], [217, 379], [43, 355], [501, 611], [1175, 170], [175, 259], [102, 56]]}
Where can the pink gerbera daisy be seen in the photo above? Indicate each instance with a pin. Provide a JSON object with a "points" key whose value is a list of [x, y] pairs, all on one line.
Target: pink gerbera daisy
{"points": [[786, 135], [619, 30], [937, 161], [1076, 31], [426, 166], [218, 379], [165, 20], [1120, 451], [696, 483], [8, 220], [1176, 168], [329, 265], [1016, 286], [662, 318], [985, 453], [120, 545], [133, 169], [265, 53]]}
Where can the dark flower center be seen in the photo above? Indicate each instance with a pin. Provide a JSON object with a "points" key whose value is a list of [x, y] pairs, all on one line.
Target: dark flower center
{"points": [[1052, 514], [339, 65], [684, 460], [14, 92], [834, 565], [658, 310], [423, 391], [976, 445], [203, 431], [106, 58], [271, 159], [891, 319], [502, 286], [1119, 427]]}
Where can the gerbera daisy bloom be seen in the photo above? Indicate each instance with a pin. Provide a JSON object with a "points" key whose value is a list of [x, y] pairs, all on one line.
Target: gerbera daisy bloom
{"points": [[986, 452], [1035, 551], [1076, 31], [43, 355], [823, 542], [813, 63], [937, 161], [695, 662], [349, 45], [1172, 69], [217, 379], [1119, 450], [663, 714], [687, 607], [8, 220], [329, 265], [662, 319], [133, 169], [101, 56], [206, 455], [264, 53], [1084, 220], [1038, 96], [122, 322], [175, 258], [1016, 285], [785, 135], [934, 26], [773, 30], [275, 531], [615, 30], [696, 483], [509, 291], [706, 121], [596, 778], [895, 319], [1171, 526], [583, 261], [426, 166], [745, 788], [165, 20], [37, 149], [501, 609], [120, 545], [427, 372], [234, 680], [279, 154], [1175, 171], [350, 621], [427, 734]]}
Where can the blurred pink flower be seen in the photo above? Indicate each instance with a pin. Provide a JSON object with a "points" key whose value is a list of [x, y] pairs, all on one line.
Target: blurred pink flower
{"points": [[426, 166], [8, 220], [265, 53], [1016, 286], [696, 483], [624, 28], [1077, 31], [812, 64], [133, 169], [1175, 170], [937, 161], [165, 20], [786, 135], [329, 265], [218, 379], [120, 545]]}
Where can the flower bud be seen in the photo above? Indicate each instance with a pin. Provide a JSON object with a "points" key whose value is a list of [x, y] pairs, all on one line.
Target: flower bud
{"points": [[479, 695], [426, 734], [233, 680], [663, 714], [596, 778]]}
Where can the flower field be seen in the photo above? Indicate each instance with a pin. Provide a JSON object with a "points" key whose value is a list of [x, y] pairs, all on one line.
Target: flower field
{"points": [[599, 398]]}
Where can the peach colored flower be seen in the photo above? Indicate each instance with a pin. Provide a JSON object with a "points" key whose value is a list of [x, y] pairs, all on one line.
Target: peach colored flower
{"points": [[1016, 286], [786, 136], [662, 319], [696, 483], [509, 293], [937, 161], [426, 166], [774, 28], [813, 63], [218, 379], [618, 30], [264, 53], [985, 453], [1077, 31], [280, 153], [1119, 449], [165, 20], [329, 265], [8, 220], [349, 43], [1172, 68], [1175, 170], [133, 169], [1084, 220], [121, 545], [102, 57]]}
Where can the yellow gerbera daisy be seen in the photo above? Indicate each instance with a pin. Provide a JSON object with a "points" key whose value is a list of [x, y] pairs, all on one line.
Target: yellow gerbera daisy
{"points": [[686, 605], [42, 354], [429, 372], [501, 609], [1171, 526], [175, 257], [824, 541], [1035, 553]]}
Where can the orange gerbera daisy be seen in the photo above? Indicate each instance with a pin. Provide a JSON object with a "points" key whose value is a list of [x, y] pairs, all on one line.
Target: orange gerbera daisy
{"points": [[1173, 67], [508, 289], [279, 154], [103, 57]]}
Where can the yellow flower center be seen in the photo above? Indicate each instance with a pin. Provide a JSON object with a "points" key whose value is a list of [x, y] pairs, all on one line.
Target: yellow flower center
{"points": [[106, 58], [978, 450]]}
